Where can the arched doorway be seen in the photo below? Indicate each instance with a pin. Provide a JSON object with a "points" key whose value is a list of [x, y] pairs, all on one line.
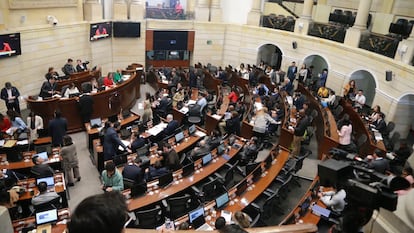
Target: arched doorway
{"points": [[365, 81], [404, 115], [271, 55], [318, 62]]}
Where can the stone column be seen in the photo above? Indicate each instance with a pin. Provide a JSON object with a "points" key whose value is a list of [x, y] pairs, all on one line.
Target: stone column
{"points": [[202, 10], [120, 10], [92, 10], [215, 11], [302, 24], [137, 10], [387, 6], [253, 17], [190, 9], [353, 35]]}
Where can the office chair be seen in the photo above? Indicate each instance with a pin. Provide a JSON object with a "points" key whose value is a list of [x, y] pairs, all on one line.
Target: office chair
{"points": [[265, 203], [360, 142], [149, 218], [210, 190], [143, 151], [226, 174], [128, 183], [254, 215], [178, 206], [194, 114]]}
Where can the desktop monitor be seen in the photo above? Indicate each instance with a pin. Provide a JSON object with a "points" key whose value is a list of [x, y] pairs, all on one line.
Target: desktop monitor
{"points": [[207, 158], [188, 169], [100, 31], [222, 200], [43, 155], [241, 187], [50, 181], [45, 217], [194, 214], [96, 122], [179, 137], [191, 129], [165, 180]]}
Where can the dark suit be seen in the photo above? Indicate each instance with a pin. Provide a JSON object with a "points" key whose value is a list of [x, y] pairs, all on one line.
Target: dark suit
{"points": [[156, 172], [86, 107], [81, 68], [171, 127], [380, 125], [133, 172], [42, 170], [11, 104], [46, 87], [111, 143], [380, 165], [233, 126], [68, 69], [57, 129], [291, 73], [137, 143]]}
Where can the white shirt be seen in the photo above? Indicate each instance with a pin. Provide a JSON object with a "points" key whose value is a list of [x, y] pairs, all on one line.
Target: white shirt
{"points": [[359, 100]]}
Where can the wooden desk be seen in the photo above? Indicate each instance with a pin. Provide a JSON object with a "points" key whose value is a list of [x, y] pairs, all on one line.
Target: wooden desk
{"points": [[93, 133], [183, 183], [30, 184], [249, 196], [63, 214], [106, 103], [78, 78], [54, 160], [360, 127]]}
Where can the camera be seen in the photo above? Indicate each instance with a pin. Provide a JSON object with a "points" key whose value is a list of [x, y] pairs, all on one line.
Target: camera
{"points": [[52, 20]]}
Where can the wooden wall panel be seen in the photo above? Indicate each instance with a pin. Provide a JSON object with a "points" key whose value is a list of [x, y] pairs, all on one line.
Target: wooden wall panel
{"points": [[149, 40]]}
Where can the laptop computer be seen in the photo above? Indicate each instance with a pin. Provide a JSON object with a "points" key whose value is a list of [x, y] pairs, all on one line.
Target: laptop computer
{"points": [[191, 129], [120, 159], [138, 190], [188, 169], [50, 181], [320, 211], [46, 217], [207, 159], [222, 200], [179, 137], [43, 155], [96, 122], [196, 217], [165, 180]]}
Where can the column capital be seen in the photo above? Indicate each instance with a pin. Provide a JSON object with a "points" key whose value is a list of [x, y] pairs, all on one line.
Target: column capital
{"points": [[216, 3], [136, 2], [91, 1], [307, 10], [362, 14], [257, 6], [119, 2]]}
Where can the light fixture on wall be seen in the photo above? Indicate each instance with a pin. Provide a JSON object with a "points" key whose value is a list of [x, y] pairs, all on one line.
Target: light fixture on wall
{"points": [[300, 26], [402, 50], [52, 20], [294, 45], [388, 75], [22, 18]]}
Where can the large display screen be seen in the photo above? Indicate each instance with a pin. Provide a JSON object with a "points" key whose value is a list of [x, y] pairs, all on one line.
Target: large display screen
{"points": [[127, 29], [10, 45], [100, 31]]}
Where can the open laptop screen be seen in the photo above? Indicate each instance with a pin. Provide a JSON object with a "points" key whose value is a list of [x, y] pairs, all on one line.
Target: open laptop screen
{"points": [[194, 214], [179, 136], [48, 216], [207, 158], [50, 181], [191, 129], [96, 122], [222, 200]]}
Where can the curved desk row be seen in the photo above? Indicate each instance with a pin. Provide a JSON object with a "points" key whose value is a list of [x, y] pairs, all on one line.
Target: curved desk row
{"points": [[78, 79], [105, 104]]}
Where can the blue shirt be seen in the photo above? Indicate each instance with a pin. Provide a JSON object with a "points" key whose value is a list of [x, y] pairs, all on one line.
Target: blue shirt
{"points": [[19, 123]]}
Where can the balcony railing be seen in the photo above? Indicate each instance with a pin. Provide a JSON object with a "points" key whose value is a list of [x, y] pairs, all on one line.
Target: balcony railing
{"points": [[328, 31], [164, 13], [279, 22], [380, 44]]}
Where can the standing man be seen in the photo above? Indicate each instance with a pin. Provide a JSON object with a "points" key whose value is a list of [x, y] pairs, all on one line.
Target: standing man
{"points": [[323, 77], [86, 104], [57, 129], [10, 95], [48, 88], [298, 132], [292, 70], [112, 141]]}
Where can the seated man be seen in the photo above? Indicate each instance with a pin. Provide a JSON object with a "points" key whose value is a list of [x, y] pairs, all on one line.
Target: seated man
{"points": [[155, 171], [112, 180], [214, 139], [172, 125], [335, 200], [102, 213], [170, 157], [378, 162], [44, 196], [136, 142], [380, 124], [250, 150], [328, 102], [200, 150], [41, 169], [68, 68], [133, 171], [359, 101]]}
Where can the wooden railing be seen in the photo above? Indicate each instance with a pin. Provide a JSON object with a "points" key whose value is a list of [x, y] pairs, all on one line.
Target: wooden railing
{"points": [[327, 31], [380, 44], [279, 22]]}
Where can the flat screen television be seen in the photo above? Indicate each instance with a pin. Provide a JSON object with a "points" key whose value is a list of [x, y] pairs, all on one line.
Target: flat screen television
{"points": [[10, 45], [100, 31], [127, 29], [170, 40]]}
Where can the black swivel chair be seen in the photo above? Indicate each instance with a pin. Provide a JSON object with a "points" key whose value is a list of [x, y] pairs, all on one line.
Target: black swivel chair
{"points": [[265, 203], [226, 174], [194, 114], [149, 218], [128, 183], [210, 190], [52, 204], [179, 206]]}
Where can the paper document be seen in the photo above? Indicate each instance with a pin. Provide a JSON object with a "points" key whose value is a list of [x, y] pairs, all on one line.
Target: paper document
{"points": [[199, 133]]}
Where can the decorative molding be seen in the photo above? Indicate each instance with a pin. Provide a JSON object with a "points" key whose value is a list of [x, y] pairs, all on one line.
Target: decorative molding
{"points": [[27, 4]]}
